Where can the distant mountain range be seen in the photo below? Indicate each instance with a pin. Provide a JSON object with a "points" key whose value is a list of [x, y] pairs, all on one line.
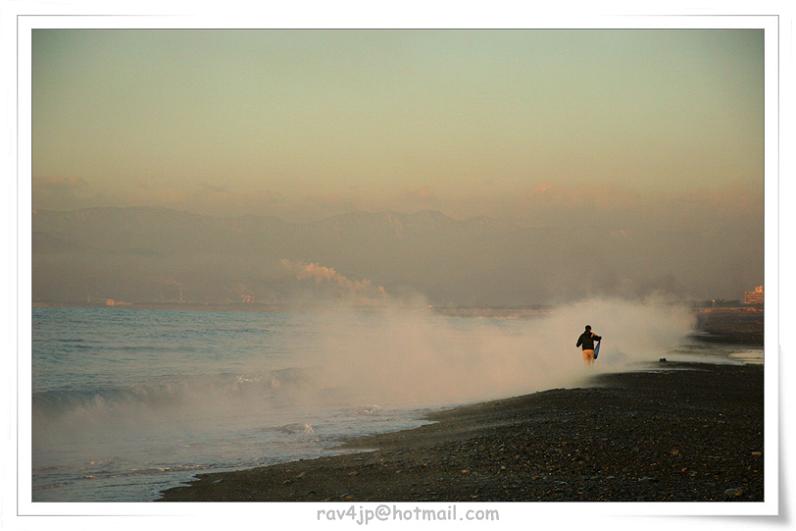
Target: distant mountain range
{"points": [[162, 255]]}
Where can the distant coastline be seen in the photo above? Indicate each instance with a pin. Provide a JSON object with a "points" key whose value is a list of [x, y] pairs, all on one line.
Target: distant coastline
{"points": [[733, 324], [743, 325], [171, 306]]}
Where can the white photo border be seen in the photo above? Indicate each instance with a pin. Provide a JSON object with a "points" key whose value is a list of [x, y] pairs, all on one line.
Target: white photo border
{"points": [[284, 514]]}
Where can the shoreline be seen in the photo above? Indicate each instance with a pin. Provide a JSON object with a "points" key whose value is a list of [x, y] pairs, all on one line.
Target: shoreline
{"points": [[689, 432]]}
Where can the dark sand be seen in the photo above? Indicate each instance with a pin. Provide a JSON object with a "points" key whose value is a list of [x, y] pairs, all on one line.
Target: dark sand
{"points": [[694, 433]]}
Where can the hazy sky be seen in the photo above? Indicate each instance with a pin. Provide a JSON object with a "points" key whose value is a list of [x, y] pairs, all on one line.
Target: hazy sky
{"points": [[303, 124]]}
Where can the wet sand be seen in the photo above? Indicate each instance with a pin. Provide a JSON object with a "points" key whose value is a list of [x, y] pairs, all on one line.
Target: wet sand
{"points": [[691, 432]]}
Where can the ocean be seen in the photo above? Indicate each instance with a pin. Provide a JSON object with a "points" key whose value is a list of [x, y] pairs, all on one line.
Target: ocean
{"points": [[127, 402], [130, 401]]}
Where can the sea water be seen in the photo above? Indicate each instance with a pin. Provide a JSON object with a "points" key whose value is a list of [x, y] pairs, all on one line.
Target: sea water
{"points": [[127, 402]]}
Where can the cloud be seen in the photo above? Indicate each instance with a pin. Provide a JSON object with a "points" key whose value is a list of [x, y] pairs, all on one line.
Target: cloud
{"points": [[59, 184], [61, 192], [362, 291], [423, 193]]}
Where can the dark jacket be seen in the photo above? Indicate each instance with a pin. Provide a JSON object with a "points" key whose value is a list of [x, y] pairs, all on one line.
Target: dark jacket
{"points": [[587, 339]]}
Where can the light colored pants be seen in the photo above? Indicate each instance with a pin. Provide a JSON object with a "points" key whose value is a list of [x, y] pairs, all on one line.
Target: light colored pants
{"points": [[588, 356]]}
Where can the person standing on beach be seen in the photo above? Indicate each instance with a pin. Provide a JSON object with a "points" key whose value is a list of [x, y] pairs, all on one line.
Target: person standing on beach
{"points": [[586, 342]]}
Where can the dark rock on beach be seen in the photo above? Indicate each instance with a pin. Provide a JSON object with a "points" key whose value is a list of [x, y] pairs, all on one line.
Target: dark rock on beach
{"points": [[692, 432]]}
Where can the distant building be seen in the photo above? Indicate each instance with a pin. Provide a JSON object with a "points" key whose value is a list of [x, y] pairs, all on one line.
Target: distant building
{"points": [[754, 297]]}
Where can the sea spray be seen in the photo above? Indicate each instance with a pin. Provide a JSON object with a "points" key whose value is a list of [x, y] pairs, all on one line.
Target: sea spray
{"points": [[412, 355]]}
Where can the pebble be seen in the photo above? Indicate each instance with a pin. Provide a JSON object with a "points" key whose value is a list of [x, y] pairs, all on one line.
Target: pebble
{"points": [[734, 492]]}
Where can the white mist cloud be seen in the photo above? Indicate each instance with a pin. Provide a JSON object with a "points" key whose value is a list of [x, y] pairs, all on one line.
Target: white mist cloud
{"points": [[403, 356], [362, 291]]}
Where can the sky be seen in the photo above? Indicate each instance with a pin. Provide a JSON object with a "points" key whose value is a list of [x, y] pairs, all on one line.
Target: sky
{"points": [[533, 126]]}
